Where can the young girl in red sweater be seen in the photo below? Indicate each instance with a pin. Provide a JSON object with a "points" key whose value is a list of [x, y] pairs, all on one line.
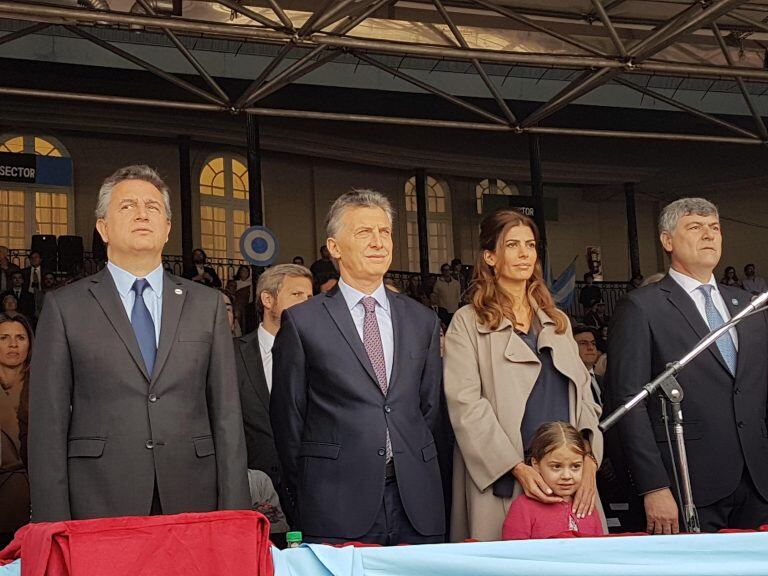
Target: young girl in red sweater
{"points": [[557, 453]]}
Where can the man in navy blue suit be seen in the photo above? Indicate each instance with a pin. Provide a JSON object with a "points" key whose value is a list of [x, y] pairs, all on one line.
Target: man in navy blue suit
{"points": [[356, 395], [726, 387]]}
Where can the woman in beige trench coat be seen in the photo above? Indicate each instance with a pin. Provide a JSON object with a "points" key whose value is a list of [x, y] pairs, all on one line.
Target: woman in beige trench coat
{"points": [[490, 372]]}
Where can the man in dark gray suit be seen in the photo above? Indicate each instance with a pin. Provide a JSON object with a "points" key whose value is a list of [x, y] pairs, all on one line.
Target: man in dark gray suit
{"points": [[134, 407], [356, 395]]}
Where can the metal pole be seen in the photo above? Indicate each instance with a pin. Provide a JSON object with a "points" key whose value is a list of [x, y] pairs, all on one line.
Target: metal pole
{"points": [[146, 65], [247, 12], [306, 28], [34, 29], [188, 55], [432, 89], [325, 19], [185, 193], [609, 26], [642, 135], [255, 198], [536, 26], [280, 13], [421, 223], [476, 63], [634, 245], [537, 192], [685, 107], [742, 86], [261, 78]]}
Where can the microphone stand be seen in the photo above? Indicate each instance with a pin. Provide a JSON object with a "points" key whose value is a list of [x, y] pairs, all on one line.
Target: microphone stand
{"points": [[671, 389]]}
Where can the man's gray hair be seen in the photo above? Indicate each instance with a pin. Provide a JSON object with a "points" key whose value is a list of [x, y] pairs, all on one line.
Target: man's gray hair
{"points": [[672, 212], [271, 280], [135, 172], [355, 198]]}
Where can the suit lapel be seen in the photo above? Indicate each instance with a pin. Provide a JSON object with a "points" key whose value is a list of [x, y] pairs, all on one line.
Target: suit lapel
{"points": [[396, 308], [687, 308], [337, 307], [250, 352], [104, 290], [173, 301]]}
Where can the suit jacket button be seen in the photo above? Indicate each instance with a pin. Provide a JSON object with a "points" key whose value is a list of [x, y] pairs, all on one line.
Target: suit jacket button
{"points": [[387, 408], [152, 398], [741, 424], [736, 391], [149, 444], [382, 452]]}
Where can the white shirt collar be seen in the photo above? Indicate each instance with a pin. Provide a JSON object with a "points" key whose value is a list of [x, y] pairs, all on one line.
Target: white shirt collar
{"points": [[690, 285], [353, 296], [266, 340], [124, 280]]}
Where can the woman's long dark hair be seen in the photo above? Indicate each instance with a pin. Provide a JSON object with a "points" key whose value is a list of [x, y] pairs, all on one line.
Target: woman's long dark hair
{"points": [[21, 319], [491, 303]]}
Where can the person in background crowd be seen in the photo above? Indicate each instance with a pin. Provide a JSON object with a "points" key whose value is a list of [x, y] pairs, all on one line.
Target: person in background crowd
{"points": [[243, 292], [356, 395], [511, 364], [279, 288], [726, 386], [201, 273], [446, 294], [753, 283], [234, 324], [323, 268], [6, 267], [25, 300], [298, 260], [33, 274], [15, 353], [10, 305], [558, 452], [730, 278], [597, 317], [324, 284], [590, 293], [134, 407], [589, 354]]}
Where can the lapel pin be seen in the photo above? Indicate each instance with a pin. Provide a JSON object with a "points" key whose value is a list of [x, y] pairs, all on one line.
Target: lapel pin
{"points": [[178, 291], [735, 302]]}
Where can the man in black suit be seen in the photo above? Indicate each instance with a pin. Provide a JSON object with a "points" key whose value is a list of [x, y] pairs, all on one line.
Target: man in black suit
{"points": [[726, 387], [201, 273], [356, 395], [134, 407], [25, 299], [279, 288], [6, 267], [34, 275]]}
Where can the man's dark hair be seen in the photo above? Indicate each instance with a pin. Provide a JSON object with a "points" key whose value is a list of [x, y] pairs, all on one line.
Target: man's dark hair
{"points": [[455, 261], [588, 275], [583, 328]]}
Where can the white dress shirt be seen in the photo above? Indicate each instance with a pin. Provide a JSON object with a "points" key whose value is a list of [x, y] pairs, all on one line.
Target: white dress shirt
{"points": [[691, 287], [266, 342], [153, 294], [35, 270], [383, 317]]}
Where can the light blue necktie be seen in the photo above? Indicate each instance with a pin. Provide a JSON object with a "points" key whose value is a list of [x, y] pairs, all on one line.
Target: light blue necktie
{"points": [[725, 342], [143, 325]]}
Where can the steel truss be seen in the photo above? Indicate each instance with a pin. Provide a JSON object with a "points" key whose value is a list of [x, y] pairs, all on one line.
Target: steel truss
{"points": [[326, 34]]}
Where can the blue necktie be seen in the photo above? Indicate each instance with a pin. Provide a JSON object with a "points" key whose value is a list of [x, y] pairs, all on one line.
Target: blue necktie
{"points": [[143, 325], [725, 342]]}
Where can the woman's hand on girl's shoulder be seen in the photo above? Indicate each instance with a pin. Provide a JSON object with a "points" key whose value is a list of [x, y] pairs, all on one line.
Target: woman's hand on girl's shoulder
{"points": [[533, 484]]}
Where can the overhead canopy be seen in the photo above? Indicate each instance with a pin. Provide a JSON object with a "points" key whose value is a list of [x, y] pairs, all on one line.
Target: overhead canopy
{"points": [[704, 58]]}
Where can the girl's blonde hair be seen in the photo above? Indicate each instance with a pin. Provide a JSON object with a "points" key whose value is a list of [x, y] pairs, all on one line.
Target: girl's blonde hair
{"points": [[554, 435]]}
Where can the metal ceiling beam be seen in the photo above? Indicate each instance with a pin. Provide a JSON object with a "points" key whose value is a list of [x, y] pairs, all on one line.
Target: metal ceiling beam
{"points": [[353, 21], [742, 86], [605, 19], [34, 29], [685, 108], [331, 15], [511, 14], [281, 15], [188, 55], [146, 66], [432, 89], [314, 17], [333, 116], [502, 104], [248, 13]]}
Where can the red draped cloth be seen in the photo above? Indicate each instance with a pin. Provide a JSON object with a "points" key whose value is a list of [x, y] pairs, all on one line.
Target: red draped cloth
{"points": [[231, 542]]}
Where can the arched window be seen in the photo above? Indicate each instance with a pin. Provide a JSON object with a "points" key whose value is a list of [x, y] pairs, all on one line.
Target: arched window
{"points": [[28, 209], [439, 224], [493, 186], [223, 205]]}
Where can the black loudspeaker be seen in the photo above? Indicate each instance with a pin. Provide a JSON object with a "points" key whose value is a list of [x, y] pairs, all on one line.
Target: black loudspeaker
{"points": [[70, 253], [45, 244]]}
